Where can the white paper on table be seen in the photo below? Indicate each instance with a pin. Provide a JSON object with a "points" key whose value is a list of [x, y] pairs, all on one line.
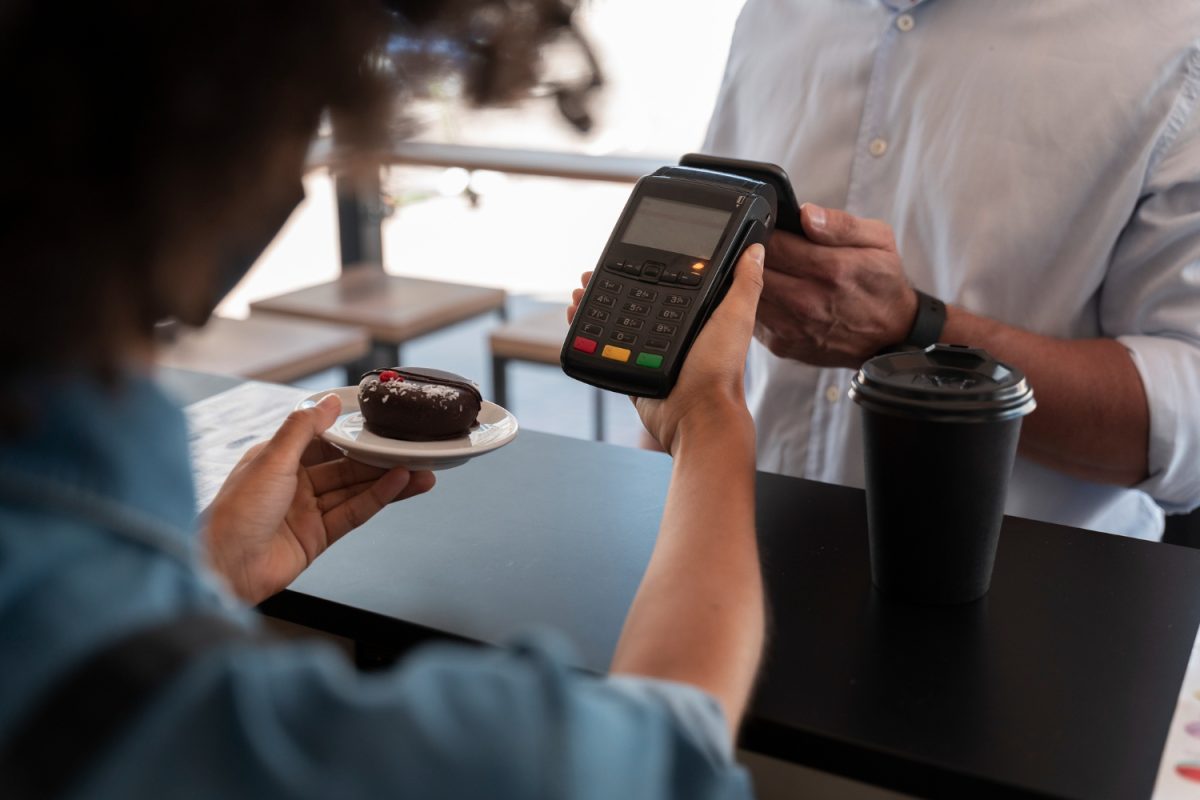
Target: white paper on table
{"points": [[1179, 770], [223, 427]]}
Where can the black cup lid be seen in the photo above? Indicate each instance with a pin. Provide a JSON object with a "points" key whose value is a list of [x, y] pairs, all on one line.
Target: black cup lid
{"points": [[943, 381]]}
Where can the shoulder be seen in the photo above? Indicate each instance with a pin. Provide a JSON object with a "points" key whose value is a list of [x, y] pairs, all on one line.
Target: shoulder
{"points": [[67, 589]]}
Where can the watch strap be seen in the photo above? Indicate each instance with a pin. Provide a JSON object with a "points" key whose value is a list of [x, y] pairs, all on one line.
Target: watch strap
{"points": [[927, 325]]}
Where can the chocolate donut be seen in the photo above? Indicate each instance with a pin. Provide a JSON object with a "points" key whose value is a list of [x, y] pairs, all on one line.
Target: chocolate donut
{"points": [[417, 404]]}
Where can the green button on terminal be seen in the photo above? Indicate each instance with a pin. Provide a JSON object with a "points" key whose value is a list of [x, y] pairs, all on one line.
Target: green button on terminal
{"points": [[649, 360]]}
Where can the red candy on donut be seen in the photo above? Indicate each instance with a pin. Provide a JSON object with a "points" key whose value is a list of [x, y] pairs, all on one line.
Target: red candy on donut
{"points": [[389, 375]]}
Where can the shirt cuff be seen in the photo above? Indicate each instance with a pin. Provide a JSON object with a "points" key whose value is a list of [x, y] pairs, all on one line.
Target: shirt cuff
{"points": [[696, 712], [1170, 372]]}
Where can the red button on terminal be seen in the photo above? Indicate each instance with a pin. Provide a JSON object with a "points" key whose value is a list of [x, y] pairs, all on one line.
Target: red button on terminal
{"points": [[584, 345]]}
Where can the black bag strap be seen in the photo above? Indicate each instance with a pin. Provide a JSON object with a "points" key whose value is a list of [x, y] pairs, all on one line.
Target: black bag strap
{"points": [[82, 714]]}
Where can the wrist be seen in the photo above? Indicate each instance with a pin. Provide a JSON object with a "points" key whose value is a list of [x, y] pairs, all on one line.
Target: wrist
{"points": [[963, 327], [215, 554], [724, 425]]}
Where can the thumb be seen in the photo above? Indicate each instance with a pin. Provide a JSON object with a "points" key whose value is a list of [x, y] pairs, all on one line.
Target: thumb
{"points": [[836, 228], [300, 428], [740, 304], [823, 225]]}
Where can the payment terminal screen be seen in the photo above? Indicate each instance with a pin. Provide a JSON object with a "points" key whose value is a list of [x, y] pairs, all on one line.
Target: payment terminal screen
{"points": [[676, 227]]}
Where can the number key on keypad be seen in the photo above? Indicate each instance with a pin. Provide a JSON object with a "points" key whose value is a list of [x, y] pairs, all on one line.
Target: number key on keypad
{"points": [[670, 314], [609, 286], [623, 337], [679, 300], [630, 322], [638, 293], [665, 330], [592, 330], [635, 308], [598, 314], [604, 300]]}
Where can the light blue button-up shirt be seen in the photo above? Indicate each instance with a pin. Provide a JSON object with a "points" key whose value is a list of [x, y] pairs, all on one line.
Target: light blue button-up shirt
{"points": [[1039, 163], [96, 506]]}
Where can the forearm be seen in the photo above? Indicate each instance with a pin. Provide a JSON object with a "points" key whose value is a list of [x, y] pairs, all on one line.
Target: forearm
{"points": [[1092, 419], [698, 616]]}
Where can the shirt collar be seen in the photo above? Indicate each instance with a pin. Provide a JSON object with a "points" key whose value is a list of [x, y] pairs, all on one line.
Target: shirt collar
{"points": [[127, 443]]}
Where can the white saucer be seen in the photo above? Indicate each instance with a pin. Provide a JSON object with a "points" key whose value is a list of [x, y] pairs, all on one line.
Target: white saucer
{"points": [[494, 428]]}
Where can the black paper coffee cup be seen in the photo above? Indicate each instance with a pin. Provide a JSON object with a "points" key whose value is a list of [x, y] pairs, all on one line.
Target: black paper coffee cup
{"points": [[940, 429]]}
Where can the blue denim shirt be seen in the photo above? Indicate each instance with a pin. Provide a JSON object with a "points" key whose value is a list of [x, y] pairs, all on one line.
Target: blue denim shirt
{"points": [[96, 541]]}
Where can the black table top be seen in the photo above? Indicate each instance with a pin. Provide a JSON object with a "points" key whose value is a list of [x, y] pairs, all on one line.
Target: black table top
{"points": [[1061, 682]]}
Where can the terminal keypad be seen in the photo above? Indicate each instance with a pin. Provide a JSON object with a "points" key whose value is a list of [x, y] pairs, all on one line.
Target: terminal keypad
{"points": [[648, 320]]}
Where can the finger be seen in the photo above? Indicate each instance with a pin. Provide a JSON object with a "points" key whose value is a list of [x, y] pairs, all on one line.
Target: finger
{"points": [[769, 339], [585, 279], [795, 293], [249, 455], [780, 330], [573, 309], [335, 497], [341, 472], [796, 310], [829, 226], [356, 509], [292, 439], [780, 320], [780, 247], [795, 255], [420, 483], [738, 308], [318, 452], [825, 265]]}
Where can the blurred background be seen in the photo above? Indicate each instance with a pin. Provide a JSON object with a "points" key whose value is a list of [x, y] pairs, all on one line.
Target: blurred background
{"points": [[529, 235]]}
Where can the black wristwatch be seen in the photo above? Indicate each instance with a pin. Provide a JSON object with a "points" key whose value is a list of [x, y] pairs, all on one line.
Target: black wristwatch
{"points": [[927, 326]]}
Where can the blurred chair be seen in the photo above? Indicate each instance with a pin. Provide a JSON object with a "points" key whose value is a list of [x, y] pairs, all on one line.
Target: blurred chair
{"points": [[537, 338], [391, 308], [263, 347]]}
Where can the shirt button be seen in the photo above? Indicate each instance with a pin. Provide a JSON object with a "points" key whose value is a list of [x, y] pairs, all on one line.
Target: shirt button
{"points": [[905, 22], [877, 147], [832, 394]]}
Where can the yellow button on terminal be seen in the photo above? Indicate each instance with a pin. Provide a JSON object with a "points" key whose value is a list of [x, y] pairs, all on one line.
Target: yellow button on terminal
{"points": [[615, 353]]}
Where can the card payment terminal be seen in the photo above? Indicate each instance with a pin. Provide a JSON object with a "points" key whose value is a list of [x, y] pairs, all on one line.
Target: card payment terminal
{"points": [[666, 266]]}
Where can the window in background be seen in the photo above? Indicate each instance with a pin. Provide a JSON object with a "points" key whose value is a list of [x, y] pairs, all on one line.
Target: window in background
{"points": [[662, 64]]}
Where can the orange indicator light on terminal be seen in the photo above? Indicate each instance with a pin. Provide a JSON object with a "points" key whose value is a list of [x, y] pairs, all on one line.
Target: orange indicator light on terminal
{"points": [[698, 266]]}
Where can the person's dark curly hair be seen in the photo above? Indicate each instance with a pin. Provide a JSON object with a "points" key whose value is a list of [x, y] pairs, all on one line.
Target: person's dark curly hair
{"points": [[143, 140]]}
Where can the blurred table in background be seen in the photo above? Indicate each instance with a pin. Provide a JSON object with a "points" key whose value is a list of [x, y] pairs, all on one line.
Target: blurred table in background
{"points": [[392, 309], [265, 347], [538, 339]]}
